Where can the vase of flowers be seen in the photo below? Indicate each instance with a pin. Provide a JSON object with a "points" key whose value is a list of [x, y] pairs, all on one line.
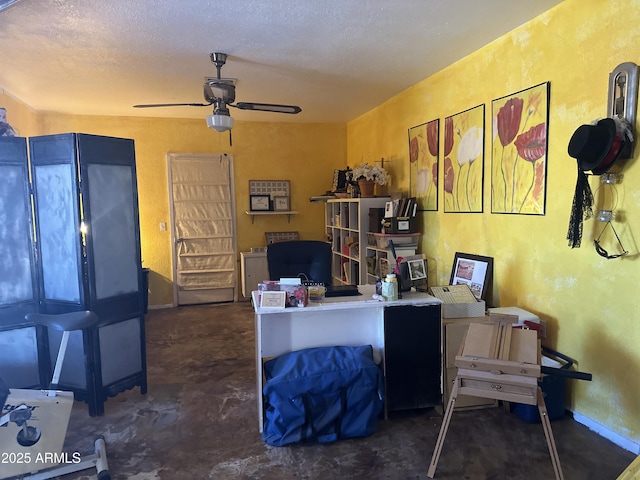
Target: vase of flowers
{"points": [[367, 177]]}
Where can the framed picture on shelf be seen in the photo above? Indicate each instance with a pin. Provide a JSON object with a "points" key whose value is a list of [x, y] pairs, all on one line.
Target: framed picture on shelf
{"points": [[281, 204], [259, 203], [473, 270], [417, 270]]}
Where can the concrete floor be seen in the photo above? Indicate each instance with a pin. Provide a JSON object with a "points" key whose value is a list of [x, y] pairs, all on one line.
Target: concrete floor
{"points": [[199, 421]]}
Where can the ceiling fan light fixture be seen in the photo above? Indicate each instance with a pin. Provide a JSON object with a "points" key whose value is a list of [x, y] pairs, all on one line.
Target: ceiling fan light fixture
{"points": [[220, 123]]}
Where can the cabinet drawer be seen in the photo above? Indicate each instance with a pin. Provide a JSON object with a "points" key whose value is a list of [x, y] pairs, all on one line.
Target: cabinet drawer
{"points": [[511, 388], [497, 387], [463, 401]]}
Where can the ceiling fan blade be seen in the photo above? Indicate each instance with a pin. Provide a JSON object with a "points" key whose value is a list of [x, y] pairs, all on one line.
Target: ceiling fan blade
{"points": [[268, 107], [152, 105]]}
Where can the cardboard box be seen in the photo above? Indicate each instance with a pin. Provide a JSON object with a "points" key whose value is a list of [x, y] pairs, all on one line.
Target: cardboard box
{"points": [[522, 314], [458, 310], [458, 301]]}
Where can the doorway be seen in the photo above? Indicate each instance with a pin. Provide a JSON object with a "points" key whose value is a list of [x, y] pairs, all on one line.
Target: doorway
{"points": [[203, 228]]}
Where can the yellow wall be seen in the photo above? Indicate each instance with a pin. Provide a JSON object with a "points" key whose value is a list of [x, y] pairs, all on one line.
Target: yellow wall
{"points": [[590, 303], [23, 119], [305, 154]]}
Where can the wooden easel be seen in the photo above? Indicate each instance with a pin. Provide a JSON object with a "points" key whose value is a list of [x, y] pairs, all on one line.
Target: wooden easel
{"points": [[500, 362]]}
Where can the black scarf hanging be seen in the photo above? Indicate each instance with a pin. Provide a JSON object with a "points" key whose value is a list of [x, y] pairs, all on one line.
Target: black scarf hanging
{"points": [[580, 210]]}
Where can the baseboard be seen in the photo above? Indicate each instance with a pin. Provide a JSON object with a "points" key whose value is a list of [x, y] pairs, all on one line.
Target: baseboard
{"points": [[620, 440], [158, 307]]}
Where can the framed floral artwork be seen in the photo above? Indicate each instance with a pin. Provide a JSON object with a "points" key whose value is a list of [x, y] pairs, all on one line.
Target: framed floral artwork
{"points": [[464, 161], [423, 164], [519, 151]]}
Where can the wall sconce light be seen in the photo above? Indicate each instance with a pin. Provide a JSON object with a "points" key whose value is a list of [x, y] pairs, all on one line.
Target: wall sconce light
{"points": [[623, 99]]}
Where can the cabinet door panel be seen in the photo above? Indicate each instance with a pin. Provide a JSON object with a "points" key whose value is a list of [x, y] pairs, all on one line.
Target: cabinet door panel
{"points": [[412, 356]]}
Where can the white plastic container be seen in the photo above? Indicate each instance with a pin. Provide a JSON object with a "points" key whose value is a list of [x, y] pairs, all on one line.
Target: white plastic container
{"points": [[390, 287]]}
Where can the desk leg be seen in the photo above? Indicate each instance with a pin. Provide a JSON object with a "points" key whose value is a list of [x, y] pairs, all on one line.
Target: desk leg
{"points": [[546, 425], [443, 430], [258, 346], [259, 392]]}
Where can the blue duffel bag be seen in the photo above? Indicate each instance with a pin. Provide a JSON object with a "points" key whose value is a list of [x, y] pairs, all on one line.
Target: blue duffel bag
{"points": [[321, 394]]}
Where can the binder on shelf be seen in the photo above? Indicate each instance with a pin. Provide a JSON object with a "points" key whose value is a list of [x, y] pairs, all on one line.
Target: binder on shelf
{"points": [[401, 207]]}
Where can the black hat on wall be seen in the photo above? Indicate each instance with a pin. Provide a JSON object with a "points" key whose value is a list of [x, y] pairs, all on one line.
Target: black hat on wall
{"points": [[596, 147]]}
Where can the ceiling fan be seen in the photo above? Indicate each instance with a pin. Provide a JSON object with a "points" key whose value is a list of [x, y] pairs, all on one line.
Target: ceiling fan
{"points": [[221, 93]]}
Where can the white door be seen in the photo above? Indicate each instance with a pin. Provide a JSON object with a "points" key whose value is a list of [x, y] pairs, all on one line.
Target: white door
{"points": [[203, 228]]}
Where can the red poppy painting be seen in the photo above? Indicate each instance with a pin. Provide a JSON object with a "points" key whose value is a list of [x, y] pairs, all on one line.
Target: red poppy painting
{"points": [[423, 164], [464, 161], [519, 151]]}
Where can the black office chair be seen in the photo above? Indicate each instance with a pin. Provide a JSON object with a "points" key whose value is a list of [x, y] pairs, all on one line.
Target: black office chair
{"points": [[306, 259]]}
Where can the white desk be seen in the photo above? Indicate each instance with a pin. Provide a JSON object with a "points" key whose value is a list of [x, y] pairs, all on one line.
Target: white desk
{"points": [[348, 321]]}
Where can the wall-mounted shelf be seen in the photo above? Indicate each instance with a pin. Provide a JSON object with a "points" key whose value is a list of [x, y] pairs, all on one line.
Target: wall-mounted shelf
{"points": [[270, 212]]}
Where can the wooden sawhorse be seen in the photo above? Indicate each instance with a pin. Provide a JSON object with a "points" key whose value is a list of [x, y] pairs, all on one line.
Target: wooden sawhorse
{"points": [[491, 366]]}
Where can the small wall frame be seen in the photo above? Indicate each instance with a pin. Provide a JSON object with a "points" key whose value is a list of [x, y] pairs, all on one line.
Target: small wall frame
{"points": [[281, 204], [259, 203]]}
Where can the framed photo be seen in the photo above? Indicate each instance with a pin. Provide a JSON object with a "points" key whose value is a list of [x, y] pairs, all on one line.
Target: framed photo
{"points": [[417, 270], [259, 203], [281, 204], [339, 181], [473, 270], [271, 299]]}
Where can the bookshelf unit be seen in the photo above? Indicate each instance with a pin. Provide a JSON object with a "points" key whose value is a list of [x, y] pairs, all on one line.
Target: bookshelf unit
{"points": [[346, 226], [383, 261]]}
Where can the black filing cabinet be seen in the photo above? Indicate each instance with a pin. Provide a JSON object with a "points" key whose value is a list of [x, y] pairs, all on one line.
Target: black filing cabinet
{"points": [[412, 356]]}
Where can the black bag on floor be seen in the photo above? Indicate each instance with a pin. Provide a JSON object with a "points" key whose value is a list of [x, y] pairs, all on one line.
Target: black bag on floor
{"points": [[321, 394]]}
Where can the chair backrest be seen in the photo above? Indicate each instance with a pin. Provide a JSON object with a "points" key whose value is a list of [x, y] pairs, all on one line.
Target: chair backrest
{"points": [[309, 257]]}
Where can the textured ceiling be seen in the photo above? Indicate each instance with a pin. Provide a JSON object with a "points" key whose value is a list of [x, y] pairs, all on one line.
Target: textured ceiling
{"points": [[335, 58]]}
